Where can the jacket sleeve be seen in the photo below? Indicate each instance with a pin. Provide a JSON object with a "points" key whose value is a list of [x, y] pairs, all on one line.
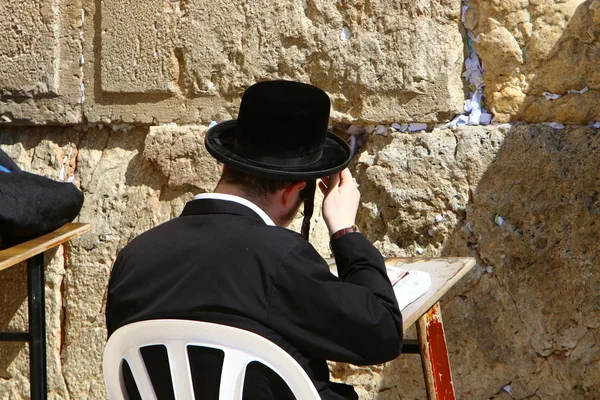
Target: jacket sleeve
{"points": [[354, 318]]}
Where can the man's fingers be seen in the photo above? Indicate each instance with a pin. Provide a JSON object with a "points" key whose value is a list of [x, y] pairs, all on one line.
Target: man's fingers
{"points": [[328, 183], [346, 178], [344, 175]]}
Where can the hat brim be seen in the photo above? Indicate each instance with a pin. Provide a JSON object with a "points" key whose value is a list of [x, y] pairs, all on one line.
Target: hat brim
{"points": [[219, 143]]}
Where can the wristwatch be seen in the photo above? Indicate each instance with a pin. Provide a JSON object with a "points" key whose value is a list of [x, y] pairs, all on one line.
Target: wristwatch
{"points": [[343, 231]]}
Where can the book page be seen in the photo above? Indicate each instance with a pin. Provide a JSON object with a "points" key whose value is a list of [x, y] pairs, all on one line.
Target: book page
{"points": [[408, 285]]}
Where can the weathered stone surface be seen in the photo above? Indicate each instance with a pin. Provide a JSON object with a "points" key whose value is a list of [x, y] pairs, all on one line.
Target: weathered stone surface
{"points": [[189, 61], [136, 47], [40, 75], [528, 316], [180, 155], [529, 48]]}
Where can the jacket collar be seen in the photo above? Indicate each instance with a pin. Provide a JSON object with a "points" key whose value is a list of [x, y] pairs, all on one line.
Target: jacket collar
{"points": [[220, 206]]}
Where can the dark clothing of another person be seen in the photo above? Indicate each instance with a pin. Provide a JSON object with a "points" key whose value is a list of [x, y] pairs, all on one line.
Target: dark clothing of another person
{"points": [[220, 262], [33, 205]]}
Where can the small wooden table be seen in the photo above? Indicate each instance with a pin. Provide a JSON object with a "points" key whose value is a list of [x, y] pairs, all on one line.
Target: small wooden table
{"points": [[33, 251], [431, 342], [426, 312]]}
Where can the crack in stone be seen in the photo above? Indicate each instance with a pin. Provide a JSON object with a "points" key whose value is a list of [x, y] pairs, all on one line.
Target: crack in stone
{"points": [[100, 159], [81, 62], [179, 75], [387, 389], [564, 352], [76, 153], [33, 156], [456, 147], [516, 306]]}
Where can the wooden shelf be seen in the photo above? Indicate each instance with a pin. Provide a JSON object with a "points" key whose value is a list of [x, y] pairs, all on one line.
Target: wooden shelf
{"points": [[23, 251]]}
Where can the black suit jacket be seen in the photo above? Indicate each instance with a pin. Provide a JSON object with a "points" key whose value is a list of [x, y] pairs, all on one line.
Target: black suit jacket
{"points": [[219, 262]]}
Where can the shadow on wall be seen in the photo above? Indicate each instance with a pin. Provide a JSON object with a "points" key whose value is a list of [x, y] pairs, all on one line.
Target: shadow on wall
{"points": [[13, 297], [527, 319], [532, 318]]}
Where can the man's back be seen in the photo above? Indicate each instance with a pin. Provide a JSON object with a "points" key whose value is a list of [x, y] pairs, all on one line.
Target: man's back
{"points": [[224, 261], [220, 262]]}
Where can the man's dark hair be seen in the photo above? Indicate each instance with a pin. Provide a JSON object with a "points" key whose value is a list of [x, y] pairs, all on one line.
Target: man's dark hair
{"points": [[254, 186]]}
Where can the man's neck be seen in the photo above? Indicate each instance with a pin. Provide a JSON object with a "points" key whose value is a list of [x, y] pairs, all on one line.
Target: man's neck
{"points": [[232, 190]]}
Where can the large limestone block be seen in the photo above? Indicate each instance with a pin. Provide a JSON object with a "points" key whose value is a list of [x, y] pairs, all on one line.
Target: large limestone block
{"points": [[136, 47], [40, 74], [529, 48], [189, 61], [417, 190]]}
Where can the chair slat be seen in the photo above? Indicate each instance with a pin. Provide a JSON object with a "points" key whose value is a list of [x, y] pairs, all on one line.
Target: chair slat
{"points": [[136, 363], [179, 365], [232, 375]]}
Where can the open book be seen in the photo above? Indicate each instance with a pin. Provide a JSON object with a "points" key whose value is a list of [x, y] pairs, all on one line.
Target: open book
{"points": [[408, 285]]}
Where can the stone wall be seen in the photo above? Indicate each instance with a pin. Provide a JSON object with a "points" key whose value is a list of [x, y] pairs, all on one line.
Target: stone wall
{"points": [[118, 96]]}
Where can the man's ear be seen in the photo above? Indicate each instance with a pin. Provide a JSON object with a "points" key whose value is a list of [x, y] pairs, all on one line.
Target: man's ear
{"points": [[288, 194]]}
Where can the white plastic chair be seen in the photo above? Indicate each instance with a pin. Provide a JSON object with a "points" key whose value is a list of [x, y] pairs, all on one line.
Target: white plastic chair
{"points": [[240, 347]]}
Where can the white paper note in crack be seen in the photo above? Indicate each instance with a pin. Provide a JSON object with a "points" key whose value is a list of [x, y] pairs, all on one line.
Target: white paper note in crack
{"points": [[415, 127], [582, 91], [554, 125], [551, 96]]}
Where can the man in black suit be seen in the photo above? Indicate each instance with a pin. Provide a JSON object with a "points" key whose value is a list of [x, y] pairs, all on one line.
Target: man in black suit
{"points": [[228, 258]]}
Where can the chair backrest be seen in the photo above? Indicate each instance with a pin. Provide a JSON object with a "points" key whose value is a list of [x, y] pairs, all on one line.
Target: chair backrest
{"points": [[240, 347]]}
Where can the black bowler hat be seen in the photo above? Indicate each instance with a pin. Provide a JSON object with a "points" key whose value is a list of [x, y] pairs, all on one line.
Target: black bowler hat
{"points": [[280, 133]]}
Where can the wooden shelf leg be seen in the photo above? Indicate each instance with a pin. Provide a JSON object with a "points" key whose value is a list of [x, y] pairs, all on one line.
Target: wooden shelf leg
{"points": [[37, 327], [434, 355]]}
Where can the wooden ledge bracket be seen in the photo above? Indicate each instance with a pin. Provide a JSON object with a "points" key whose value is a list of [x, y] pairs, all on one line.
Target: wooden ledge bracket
{"points": [[37, 326], [33, 251], [434, 355]]}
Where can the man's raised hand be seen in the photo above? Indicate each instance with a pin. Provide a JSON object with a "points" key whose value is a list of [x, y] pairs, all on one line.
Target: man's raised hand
{"points": [[341, 200]]}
